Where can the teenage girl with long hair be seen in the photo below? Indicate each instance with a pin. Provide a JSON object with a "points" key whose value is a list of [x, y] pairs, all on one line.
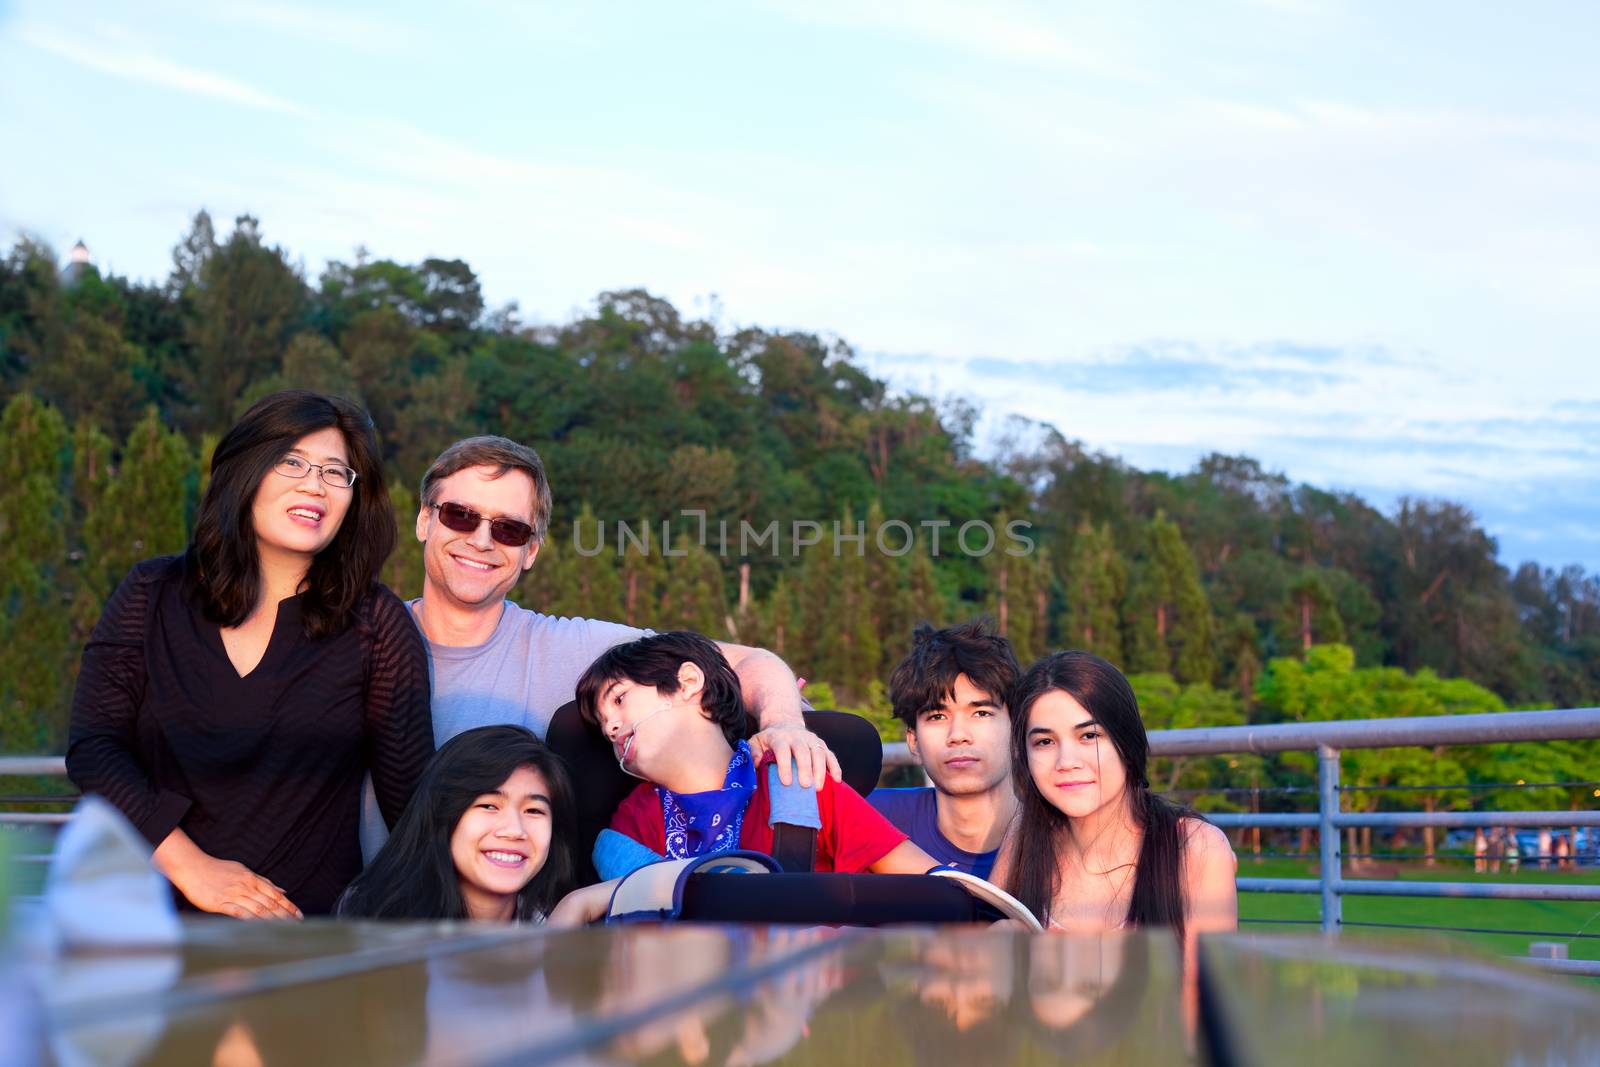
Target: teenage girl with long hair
{"points": [[1092, 847], [489, 835]]}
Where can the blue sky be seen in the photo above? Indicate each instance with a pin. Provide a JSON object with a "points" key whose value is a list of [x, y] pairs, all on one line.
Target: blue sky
{"points": [[1360, 242]]}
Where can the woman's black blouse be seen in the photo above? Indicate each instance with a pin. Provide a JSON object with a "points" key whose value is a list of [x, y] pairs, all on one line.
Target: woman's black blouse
{"points": [[264, 769]]}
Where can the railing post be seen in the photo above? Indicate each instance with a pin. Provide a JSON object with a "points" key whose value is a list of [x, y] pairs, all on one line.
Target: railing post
{"points": [[1328, 791]]}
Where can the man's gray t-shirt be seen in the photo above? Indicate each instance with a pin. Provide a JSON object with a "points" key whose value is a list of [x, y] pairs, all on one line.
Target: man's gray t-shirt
{"points": [[527, 669]]}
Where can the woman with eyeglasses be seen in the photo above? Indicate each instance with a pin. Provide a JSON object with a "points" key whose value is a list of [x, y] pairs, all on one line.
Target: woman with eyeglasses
{"points": [[231, 699]]}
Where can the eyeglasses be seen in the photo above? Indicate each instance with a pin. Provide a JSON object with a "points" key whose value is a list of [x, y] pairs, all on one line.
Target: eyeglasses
{"points": [[335, 474], [462, 519]]}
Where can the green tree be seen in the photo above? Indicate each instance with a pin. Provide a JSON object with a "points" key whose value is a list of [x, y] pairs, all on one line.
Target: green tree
{"points": [[1309, 613], [923, 600], [777, 620], [1240, 658], [1168, 617], [643, 571], [92, 455], [1017, 594], [245, 305], [36, 655], [1096, 584], [857, 649], [309, 362], [694, 598], [142, 511], [1164, 704], [96, 373], [596, 587], [402, 571]]}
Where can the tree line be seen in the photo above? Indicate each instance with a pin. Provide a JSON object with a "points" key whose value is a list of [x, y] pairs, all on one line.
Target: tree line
{"points": [[1209, 586]]}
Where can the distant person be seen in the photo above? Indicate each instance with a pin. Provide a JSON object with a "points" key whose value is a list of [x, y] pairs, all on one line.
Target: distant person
{"points": [[231, 699], [485, 510], [1544, 847], [670, 705], [1093, 847], [950, 692], [1496, 850], [489, 835], [1480, 851], [1562, 847]]}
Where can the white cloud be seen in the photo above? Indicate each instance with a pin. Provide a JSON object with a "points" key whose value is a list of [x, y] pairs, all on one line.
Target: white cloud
{"points": [[108, 50], [999, 30], [319, 24]]}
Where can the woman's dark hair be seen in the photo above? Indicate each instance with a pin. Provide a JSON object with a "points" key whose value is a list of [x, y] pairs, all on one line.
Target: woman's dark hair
{"points": [[926, 678], [654, 661], [1036, 871], [413, 876], [227, 566]]}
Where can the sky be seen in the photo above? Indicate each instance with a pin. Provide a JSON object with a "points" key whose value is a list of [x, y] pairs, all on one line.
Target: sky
{"points": [[1359, 242]]}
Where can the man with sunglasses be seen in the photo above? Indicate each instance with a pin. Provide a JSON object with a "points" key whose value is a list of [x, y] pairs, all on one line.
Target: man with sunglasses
{"points": [[485, 511]]}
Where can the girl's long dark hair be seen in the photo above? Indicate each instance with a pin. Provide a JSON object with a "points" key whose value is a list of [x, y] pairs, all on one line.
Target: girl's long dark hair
{"points": [[226, 570], [1041, 826], [413, 876]]}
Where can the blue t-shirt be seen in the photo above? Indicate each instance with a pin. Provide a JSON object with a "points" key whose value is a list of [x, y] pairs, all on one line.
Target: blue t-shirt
{"points": [[528, 668], [913, 813]]}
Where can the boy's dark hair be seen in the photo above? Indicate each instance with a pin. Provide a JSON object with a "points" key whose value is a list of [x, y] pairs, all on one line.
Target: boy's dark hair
{"points": [[654, 661], [926, 677]]}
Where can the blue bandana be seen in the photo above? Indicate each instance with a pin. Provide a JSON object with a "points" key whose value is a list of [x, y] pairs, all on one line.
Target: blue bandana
{"points": [[709, 822]]}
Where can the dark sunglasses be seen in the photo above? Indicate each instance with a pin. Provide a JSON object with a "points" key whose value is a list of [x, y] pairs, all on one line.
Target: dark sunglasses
{"points": [[462, 519]]}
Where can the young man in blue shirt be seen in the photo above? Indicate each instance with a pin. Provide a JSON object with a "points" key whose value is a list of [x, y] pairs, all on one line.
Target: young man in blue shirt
{"points": [[951, 691]]}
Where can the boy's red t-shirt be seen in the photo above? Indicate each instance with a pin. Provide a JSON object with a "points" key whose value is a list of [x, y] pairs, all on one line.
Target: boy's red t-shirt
{"points": [[853, 836]]}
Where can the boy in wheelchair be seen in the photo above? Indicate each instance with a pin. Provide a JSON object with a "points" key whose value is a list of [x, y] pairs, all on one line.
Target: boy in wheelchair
{"points": [[670, 706]]}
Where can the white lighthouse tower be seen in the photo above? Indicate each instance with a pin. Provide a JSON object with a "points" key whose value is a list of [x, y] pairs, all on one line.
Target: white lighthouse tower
{"points": [[78, 261]]}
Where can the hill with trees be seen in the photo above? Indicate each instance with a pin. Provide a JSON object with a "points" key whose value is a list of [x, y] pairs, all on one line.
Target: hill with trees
{"points": [[1213, 587]]}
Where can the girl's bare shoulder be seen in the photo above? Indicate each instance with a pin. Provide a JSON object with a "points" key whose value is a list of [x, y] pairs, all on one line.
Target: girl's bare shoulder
{"points": [[1204, 842]]}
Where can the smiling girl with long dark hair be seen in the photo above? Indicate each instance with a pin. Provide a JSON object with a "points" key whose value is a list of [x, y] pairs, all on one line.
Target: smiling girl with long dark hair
{"points": [[1093, 847], [232, 699], [489, 834]]}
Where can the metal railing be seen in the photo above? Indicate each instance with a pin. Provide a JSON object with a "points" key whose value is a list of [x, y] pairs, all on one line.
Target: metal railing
{"points": [[1327, 740]]}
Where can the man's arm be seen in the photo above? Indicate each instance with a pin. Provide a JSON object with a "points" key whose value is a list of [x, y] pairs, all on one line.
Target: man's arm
{"points": [[773, 697]]}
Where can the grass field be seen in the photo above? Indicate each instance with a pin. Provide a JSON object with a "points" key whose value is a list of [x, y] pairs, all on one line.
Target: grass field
{"points": [[1575, 922]]}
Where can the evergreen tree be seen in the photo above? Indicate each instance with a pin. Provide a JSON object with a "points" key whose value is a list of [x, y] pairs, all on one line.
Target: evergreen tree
{"points": [[595, 585], [403, 570], [1096, 583], [96, 372], [551, 585], [247, 301], [1018, 591], [309, 362], [643, 572], [694, 598], [1309, 614], [817, 631], [1169, 619], [855, 632], [208, 449], [143, 509], [91, 479], [923, 601], [886, 599], [36, 651], [777, 619], [1241, 660]]}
